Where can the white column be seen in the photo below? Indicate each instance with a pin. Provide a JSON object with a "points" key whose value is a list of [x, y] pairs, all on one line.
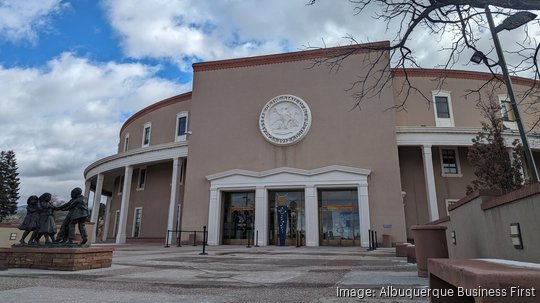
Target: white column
{"points": [[311, 216], [363, 209], [214, 218], [433, 208], [261, 216], [107, 218], [87, 185], [172, 202], [95, 207], [124, 207]]}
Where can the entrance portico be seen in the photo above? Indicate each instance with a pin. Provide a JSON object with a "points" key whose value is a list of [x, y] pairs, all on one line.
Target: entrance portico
{"points": [[287, 179]]}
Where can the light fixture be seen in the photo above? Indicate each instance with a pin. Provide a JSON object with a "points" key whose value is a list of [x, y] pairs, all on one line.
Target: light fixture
{"points": [[454, 237], [515, 235], [478, 57], [515, 21]]}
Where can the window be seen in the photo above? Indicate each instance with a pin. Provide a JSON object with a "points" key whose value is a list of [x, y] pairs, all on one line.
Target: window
{"points": [[142, 179], [116, 222], [450, 162], [507, 112], [182, 171], [120, 185], [441, 104], [181, 126], [450, 202], [147, 131], [137, 218], [126, 143], [443, 109]]}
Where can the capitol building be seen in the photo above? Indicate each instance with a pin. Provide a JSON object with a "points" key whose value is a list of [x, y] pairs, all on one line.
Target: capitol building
{"points": [[271, 150]]}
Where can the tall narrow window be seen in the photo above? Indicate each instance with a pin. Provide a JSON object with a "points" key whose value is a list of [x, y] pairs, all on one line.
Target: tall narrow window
{"points": [[147, 131], [142, 179], [181, 126], [126, 143], [443, 109], [450, 162], [507, 112], [450, 202], [137, 219], [116, 222], [441, 104], [121, 185]]}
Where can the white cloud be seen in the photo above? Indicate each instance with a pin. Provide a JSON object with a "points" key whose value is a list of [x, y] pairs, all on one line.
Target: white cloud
{"points": [[67, 114], [184, 30], [20, 20]]}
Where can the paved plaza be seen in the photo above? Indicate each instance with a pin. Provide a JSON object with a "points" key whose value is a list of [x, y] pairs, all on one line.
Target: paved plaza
{"points": [[145, 273]]}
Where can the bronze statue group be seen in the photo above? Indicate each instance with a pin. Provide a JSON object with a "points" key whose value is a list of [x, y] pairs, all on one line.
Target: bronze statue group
{"points": [[40, 222]]}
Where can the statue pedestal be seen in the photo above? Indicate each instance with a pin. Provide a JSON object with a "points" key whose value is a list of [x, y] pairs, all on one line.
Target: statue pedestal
{"points": [[69, 259]]}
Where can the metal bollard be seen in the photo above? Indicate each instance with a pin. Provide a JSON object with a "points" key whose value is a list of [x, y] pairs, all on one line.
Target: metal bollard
{"points": [[167, 240], [248, 238], [178, 238], [194, 238], [204, 242], [257, 238]]}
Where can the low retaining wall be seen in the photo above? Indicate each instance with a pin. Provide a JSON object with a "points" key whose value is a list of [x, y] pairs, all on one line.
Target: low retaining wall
{"points": [[69, 259], [480, 225]]}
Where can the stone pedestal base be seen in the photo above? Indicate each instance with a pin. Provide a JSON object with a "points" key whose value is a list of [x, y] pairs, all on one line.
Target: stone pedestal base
{"points": [[69, 259]]}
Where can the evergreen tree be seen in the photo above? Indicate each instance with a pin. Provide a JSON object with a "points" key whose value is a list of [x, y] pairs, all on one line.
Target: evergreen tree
{"points": [[489, 156], [9, 184]]}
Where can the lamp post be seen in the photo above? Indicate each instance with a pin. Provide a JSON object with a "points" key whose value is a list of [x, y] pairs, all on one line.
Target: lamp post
{"points": [[510, 23]]}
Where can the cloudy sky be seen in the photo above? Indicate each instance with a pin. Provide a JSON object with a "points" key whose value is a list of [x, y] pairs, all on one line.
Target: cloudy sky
{"points": [[72, 71]]}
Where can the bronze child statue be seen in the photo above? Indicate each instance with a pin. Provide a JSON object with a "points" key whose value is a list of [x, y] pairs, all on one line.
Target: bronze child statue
{"points": [[31, 220], [47, 226], [78, 213]]}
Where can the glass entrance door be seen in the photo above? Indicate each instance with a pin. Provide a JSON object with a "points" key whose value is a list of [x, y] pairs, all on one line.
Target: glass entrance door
{"points": [[238, 217], [286, 218], [339, 220]]}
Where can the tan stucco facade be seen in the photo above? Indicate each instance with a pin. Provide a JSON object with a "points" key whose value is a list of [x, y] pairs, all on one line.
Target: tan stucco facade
{"points": [[392, 158]]}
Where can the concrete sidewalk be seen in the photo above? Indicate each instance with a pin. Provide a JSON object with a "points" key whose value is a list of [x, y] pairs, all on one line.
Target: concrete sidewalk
{"points": [[227, 274]]}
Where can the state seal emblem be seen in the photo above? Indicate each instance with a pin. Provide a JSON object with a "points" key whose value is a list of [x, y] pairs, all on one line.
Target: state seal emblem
{"points": [[285, 120]]}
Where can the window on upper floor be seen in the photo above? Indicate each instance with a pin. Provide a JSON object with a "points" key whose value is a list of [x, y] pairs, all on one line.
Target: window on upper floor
{"points": [[507, 112], [443, 109], [126, 142], [181, 126], [142, 179], [147, 131], [450, 202], [121, 185], [450, 162]]}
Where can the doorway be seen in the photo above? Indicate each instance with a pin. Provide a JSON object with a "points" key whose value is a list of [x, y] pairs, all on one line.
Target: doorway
{"points": [[238, 217], [286, 222], [339, 223]]}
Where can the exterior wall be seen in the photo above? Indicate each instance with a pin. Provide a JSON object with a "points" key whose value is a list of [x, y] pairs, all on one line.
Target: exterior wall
{"points": [[224, 120], [420, 112], [414, 185], [451, 187], [163, 126], [154, 200], [485, 233]]}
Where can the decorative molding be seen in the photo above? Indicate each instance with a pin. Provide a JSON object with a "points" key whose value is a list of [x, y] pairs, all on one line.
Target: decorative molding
{"points": [[289, 170], [290, 57], [156, 106], [137, 156], [452, 136], [457, 74]]}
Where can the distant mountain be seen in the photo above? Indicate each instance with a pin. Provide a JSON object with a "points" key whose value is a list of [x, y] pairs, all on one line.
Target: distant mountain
{"points": [[21, 209]]}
